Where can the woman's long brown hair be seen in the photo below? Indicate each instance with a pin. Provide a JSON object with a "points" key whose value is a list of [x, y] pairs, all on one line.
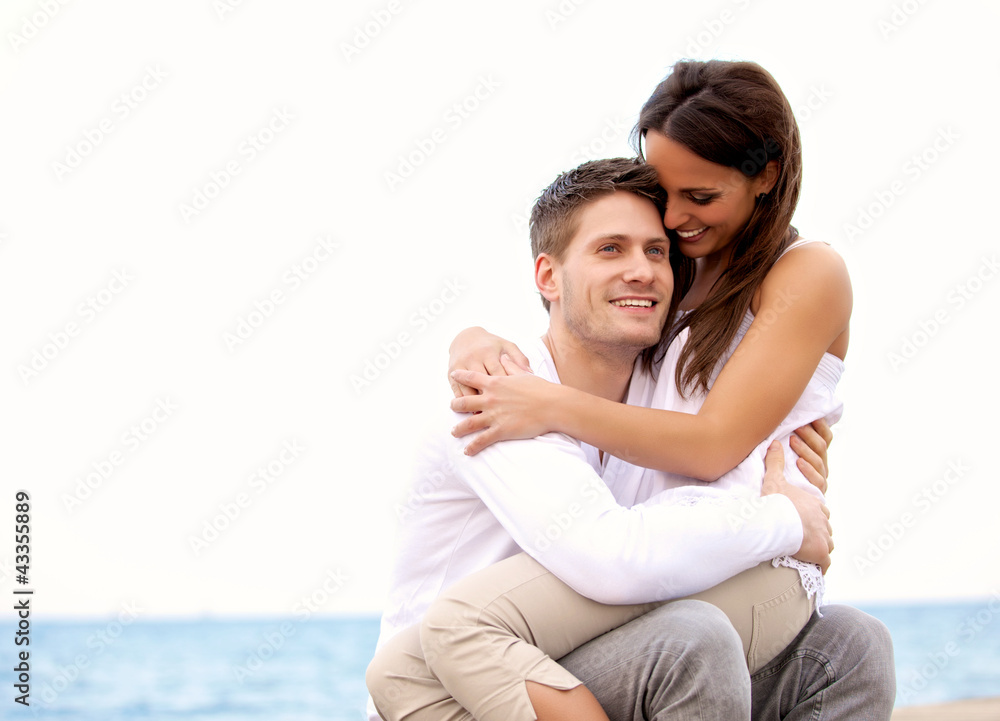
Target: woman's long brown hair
{"points": [[732, 114]]}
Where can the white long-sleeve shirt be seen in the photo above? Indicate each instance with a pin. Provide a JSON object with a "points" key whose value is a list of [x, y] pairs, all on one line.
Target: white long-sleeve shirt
{"points": [[553, 498]]}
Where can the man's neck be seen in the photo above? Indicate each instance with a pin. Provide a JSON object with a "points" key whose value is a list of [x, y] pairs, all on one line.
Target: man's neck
{"points": [[600, 371]]}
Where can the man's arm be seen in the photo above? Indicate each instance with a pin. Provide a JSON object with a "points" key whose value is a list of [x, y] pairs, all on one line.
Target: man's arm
{"points": [[558, 510]]}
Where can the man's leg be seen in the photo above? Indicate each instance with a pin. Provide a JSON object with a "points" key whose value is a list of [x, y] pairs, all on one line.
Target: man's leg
{"points": [[683, 660], [840, 666]]}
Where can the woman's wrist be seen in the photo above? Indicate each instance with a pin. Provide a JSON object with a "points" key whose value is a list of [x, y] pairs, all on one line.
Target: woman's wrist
{"points": [[557, 409]]}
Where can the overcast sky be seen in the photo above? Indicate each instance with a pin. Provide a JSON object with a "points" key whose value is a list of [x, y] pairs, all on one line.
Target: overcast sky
{"points": [[236, 239]]}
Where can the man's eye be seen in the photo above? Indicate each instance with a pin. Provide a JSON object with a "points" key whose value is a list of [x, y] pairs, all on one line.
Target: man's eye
{"points": [[658, 251], [608, 248]]}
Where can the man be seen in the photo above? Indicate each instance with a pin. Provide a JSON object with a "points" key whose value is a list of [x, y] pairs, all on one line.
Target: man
{"points": [[609, 288]]}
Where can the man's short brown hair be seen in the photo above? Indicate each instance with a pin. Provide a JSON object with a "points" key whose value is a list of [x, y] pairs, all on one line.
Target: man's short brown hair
{"points": [[554, 218]]}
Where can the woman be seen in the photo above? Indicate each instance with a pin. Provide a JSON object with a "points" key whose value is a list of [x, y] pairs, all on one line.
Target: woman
{"points": [[764, 326]]}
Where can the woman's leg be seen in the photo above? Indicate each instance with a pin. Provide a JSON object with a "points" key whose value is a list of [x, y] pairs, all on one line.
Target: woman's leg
{"points": [[494, 631], [766, 605], [402, 686], [404, 689]]}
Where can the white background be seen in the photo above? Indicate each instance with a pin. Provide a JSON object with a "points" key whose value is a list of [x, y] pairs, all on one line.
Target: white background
{"points": [[874, 83]]}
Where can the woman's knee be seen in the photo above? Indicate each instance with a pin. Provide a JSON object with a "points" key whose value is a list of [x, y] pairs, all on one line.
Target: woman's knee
{"points": [[396, 672], [381, 678], [442, 624]]}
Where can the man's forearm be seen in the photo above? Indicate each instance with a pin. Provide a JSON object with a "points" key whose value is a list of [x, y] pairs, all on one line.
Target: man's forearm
{"points": [[558, 510]]}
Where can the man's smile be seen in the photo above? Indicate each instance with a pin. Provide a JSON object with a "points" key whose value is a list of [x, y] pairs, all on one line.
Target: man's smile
{"points": [[634, 302]]}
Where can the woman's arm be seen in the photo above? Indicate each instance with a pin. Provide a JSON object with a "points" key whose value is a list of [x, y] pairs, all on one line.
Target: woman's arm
{"points": [[804, 307], [475, 349]]}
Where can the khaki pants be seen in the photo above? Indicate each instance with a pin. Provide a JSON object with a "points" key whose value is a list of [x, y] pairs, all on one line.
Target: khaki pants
{"points": [[494, 630]]}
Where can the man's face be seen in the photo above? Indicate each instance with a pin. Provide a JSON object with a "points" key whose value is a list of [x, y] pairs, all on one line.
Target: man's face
{"points": [[613, 285]]}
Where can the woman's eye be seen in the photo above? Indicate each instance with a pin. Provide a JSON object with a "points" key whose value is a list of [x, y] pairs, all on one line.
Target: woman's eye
{"points": [[702, 199]]}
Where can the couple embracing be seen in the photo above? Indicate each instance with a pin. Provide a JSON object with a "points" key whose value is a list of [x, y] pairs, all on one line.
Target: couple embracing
{"points": [[636, 529]]}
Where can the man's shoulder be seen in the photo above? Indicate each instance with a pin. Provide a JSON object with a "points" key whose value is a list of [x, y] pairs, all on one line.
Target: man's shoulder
{"points": [[540, 359]]}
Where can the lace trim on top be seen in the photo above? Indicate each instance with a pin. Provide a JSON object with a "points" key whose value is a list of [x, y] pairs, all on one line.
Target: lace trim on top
{"points": [[811, 575]]}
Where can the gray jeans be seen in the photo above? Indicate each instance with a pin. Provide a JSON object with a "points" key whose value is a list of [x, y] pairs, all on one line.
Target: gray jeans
{"points": [[681, 662]]}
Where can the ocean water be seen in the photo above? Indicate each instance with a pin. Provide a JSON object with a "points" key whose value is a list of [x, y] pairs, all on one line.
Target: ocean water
{"points": [[314, 669]]}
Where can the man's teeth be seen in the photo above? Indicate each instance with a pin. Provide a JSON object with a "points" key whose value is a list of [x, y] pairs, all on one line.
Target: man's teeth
{"points": [[690, 233], [633, 302]]}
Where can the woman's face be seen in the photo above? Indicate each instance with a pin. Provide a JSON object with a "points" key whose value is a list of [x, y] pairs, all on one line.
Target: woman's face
{"points": [[707, 203]]}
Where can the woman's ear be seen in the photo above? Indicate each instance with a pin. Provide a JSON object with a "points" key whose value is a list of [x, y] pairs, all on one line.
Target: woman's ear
{"points": [[546, 277], [764, 182]]}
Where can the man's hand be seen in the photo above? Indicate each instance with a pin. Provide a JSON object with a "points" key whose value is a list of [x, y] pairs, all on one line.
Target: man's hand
{"points": [[811, 443], [475, 349], [817, 533]]}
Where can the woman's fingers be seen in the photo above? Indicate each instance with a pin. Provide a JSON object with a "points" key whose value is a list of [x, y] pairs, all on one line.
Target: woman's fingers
{"points": [[512, 368], [458, 388], [494, 367], [470, 379], [468, 404], [468, 425], [518, 357], [487, 438]]}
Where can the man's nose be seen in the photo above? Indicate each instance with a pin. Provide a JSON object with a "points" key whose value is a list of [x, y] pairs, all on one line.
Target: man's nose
{"points": [[640, 268]]}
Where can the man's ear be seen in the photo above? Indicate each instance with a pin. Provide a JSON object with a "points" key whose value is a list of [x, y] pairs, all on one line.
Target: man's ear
{"points": [[546, 279]]}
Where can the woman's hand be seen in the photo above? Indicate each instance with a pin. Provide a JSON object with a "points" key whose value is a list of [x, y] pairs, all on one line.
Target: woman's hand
{"points": [[507, 406], [475, 349]]}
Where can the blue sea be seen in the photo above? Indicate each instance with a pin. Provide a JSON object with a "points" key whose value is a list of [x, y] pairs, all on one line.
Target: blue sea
{"points": [[314, 669]]}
